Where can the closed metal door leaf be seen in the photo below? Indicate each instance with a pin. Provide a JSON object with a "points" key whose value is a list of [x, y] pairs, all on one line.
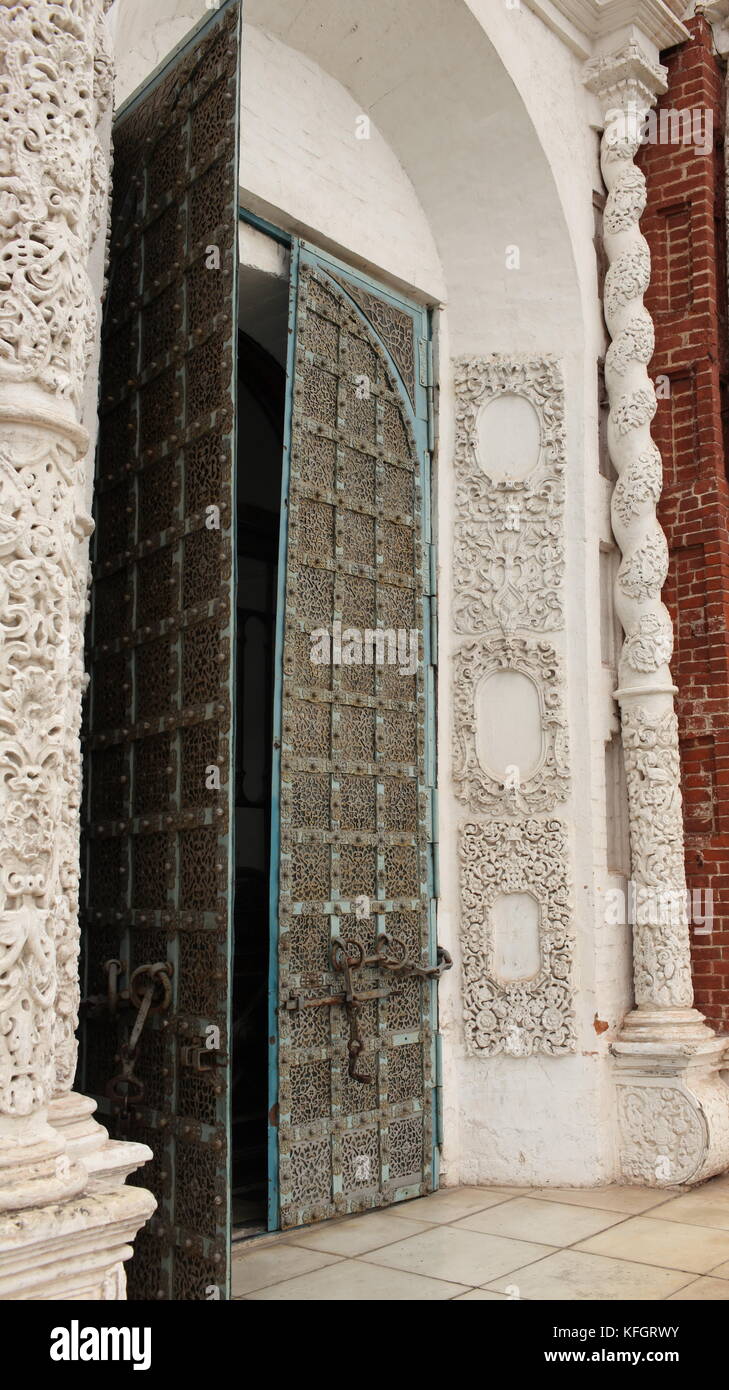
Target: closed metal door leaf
{"points": [[354, 1074]]}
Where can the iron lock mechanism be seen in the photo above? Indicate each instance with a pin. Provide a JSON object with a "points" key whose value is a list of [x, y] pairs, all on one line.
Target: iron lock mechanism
{"points": [[349, 956], [152, 997]]}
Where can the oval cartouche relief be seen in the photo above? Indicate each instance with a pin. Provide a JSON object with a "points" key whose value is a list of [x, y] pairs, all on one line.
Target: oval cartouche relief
{"points": [[508, 437], [509, 732]]}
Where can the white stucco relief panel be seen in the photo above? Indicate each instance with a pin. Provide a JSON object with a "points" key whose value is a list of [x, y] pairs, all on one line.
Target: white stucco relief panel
{"points": [[507, 1010], [510, 742]]}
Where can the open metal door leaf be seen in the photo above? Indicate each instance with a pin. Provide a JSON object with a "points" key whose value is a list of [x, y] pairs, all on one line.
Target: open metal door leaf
{"points": [[159, 737]]}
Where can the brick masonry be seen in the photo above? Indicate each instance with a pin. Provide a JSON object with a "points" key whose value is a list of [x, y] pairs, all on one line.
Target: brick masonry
{"points": [[685, 226]]}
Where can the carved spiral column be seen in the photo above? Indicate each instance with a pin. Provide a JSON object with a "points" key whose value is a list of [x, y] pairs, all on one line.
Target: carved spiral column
{"points": [[663, 1030], [54, 87], [650, 735]]}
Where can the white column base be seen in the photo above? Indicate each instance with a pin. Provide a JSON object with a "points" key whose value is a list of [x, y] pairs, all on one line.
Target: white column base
{"points": [[108, 1162], [66, 1218], [74, 1250], [673, 1103], [72, 1115], [35, 1168]]}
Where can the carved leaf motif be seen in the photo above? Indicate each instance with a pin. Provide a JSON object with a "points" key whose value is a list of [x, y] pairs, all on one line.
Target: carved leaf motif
{"points": [[635, 342], [639, 485], [660, 947], [649, 645], [659, 1123], [628, 277], [643, 573]]}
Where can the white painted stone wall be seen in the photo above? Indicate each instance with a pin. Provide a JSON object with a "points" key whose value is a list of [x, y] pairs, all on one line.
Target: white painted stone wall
{"points": [[480, 141]]}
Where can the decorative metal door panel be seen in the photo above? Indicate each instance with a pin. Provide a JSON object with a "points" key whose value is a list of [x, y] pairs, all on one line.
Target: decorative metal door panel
{"points": [[157, 818], [356, 767]]}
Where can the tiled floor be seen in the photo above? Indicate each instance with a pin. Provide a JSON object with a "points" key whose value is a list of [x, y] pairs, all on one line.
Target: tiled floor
{"points": [[505, 1242]]}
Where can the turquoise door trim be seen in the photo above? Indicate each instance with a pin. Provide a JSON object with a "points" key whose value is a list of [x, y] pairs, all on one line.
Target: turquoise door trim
{"points": [[261, 225], [273, 1030]]}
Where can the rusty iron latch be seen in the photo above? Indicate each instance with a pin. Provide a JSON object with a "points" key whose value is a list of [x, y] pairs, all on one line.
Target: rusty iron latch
{"points": [[153, 998], [345, 958], [107, 1003], [343, 962], [391, 954]]}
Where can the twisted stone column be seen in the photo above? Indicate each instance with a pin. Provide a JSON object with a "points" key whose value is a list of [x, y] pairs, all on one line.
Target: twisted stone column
{"points": [[677, 1132], [54, 89]]}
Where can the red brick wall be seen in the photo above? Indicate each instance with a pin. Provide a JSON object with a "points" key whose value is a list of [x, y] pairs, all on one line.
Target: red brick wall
{"points": [[685, 226]]}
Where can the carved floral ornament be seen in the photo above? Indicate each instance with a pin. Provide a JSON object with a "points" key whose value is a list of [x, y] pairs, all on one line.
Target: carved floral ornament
{"points": [[509, 544], [481, 787], [520, 1016], [54, 87], [509, 567], [661, 1127], [661, 963]]}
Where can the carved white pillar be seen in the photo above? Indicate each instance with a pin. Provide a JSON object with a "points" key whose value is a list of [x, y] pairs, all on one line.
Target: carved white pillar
{"points": [[54, 88], [674, 1108]]}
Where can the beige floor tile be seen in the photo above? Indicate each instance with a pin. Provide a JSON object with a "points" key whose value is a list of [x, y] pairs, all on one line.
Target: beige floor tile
{"points": [[721, 1271], [355, 1282], [720, 1184], [466, 1257], [666, 1243], [480, 1296], [354, 1237], [631, 1200], [702, 1289], [577, 1277], [554, 1223], [699, 1208], [272, 1264], [448, 1205]]}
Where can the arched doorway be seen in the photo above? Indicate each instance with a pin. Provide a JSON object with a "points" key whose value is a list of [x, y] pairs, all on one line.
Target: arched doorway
{"points": [[406, 220]]}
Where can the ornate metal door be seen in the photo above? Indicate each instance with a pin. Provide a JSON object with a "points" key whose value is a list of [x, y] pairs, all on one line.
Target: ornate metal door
{"points": [[158, 860], [353, 1082]]}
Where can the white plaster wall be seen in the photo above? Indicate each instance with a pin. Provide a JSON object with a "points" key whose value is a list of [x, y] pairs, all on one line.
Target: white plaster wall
{"points": [[143, 33], [480, 140]]}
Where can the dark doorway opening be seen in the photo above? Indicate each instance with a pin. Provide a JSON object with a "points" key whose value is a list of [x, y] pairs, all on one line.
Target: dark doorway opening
{"points": [[262, 347]]}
